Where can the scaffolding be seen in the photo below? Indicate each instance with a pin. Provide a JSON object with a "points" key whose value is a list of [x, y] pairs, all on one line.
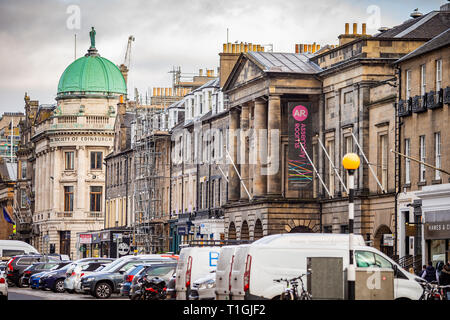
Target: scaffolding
{"points": [[148, 226]]}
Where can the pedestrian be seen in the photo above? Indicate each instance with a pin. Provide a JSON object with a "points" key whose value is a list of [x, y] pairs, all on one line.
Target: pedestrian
{"points": [[444, 279], [430, 273], [424, 270], [439, 267]]}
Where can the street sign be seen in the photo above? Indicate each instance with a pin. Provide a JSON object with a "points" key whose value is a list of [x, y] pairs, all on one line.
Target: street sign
{"points": [[123, 248]]}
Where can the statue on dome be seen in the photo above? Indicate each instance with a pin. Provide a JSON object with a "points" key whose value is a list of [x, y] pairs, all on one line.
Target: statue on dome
{"points": [[92, 35]]}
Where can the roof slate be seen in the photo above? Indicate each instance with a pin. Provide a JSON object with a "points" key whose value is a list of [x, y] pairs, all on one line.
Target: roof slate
{"points": [[285, 62], [437, 42]]}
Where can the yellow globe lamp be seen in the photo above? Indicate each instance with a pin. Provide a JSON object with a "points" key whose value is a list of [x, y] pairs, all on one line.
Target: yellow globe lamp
{"points": [[351, 161]]}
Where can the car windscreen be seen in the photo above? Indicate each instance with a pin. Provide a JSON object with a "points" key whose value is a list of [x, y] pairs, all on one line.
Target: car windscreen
{"points": [[112, 266], [162, 272]]}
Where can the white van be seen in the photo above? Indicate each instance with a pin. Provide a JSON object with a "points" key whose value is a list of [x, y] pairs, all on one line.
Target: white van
{"points": [[223, 272], [11, 248], [285, 256], [237, 272], [194, 263]]}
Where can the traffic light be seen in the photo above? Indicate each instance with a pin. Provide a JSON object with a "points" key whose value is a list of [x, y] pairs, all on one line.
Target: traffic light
{"points": [[14, 229]]}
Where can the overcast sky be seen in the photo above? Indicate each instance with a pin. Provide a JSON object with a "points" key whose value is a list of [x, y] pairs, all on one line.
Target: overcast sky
{"points": [[37, 37]]}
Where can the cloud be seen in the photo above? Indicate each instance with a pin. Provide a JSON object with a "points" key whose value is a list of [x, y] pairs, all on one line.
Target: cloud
{"points": [[37, 44]]}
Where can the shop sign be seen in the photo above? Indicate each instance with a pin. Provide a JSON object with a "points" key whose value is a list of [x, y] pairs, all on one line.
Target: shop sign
{"points": [[104, 236], [181, 230], [85, 238], [437, 230], [96, 238]]}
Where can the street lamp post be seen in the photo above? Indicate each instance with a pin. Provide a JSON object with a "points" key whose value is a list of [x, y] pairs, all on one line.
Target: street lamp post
{"points": [[351, 162]]}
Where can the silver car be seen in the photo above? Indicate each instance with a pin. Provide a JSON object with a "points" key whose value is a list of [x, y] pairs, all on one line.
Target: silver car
{"points": [[72, 283], [204, 288], [3, 286]]}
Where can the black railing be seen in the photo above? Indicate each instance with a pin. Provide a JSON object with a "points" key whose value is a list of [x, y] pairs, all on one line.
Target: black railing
{"points": [[446, 96], [419, 104], [410, 261], [218, 243], [404, 108], [434, 99]]}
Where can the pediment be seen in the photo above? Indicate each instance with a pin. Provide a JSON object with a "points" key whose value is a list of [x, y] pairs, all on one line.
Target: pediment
{"points": [[243, 72]]}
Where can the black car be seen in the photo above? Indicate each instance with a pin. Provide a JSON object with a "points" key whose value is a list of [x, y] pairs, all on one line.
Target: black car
{"points": [[17, 265], [107, 281], [161, 270], [39, 267]]}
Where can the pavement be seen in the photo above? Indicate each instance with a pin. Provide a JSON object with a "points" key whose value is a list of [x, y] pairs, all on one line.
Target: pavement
{"points": [[15, 293]]}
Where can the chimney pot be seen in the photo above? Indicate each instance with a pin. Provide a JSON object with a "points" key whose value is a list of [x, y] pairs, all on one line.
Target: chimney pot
{"points": [[355, 28], [363, 28], [224, 48], [347, 28]]}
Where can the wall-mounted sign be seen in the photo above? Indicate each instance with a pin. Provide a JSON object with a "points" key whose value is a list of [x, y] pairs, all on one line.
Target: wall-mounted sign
{"points": [[300, 170], [437, 230], [388, 240], [85, 238]]}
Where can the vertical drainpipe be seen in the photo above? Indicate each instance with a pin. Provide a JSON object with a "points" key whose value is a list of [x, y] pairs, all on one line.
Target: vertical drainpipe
{"points": [[174, 239], [397, 147], [209, 172], [126, 191], [106, 191]]}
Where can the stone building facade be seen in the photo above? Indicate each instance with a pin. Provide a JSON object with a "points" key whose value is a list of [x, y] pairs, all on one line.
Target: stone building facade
{"points": [[70, 142], [423, 110]]}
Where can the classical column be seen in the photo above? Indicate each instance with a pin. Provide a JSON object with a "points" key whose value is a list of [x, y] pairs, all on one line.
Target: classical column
{"points": [[260, 125], [274, 146], [233, 178], [80, 188], [244, 151]]}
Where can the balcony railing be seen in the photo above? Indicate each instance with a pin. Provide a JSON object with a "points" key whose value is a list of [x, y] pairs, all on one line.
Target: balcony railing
{"points": [[95, 214], [434, 99], [404, 107], [419, 104], [446, 96], [65, 214]]}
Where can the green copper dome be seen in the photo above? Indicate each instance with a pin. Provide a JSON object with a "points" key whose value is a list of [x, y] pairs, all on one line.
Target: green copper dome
{"points": [[92, 74]]}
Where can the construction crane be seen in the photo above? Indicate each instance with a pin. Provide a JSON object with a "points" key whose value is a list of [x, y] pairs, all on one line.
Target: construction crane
{"points": [[127, 60]]}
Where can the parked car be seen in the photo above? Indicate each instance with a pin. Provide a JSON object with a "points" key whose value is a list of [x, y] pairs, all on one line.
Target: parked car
{"points": [[3, 286], [285, 256], [17, 265], [54, 280], [204, 288], [194, 263], [62, 257], [162, 270], [102, 284], [11, 248], [37, 268], [223, 272], [3, 266], [72, 283]]}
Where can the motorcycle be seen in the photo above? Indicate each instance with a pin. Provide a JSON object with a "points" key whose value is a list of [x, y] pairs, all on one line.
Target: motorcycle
{"points": [[150, 289]]}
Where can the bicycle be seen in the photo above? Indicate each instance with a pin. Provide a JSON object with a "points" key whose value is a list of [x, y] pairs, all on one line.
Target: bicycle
{"points": [[433, 291], [291, 290]]}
